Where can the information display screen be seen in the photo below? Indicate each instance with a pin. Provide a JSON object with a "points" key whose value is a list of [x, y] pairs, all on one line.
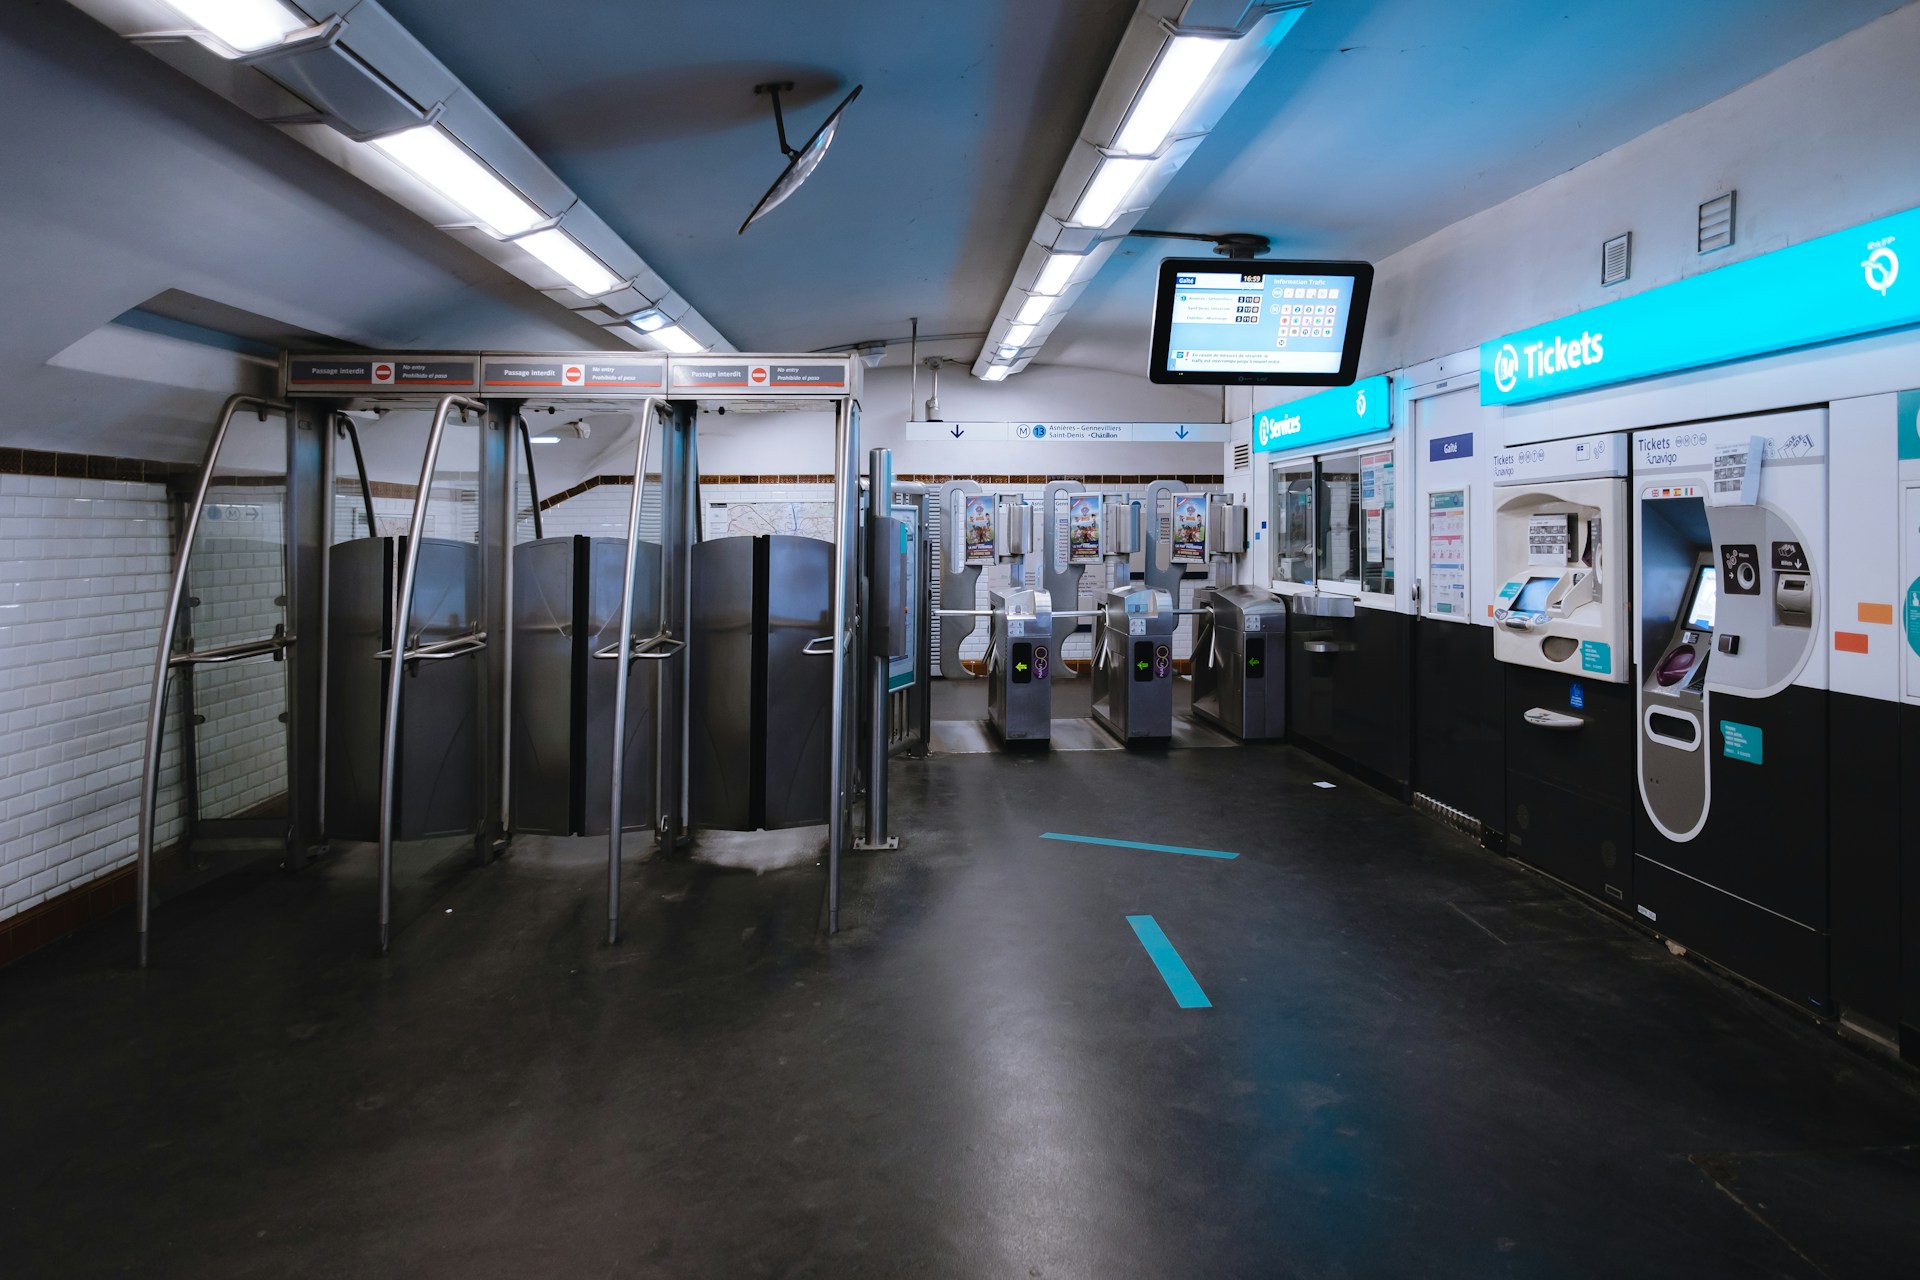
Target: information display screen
{"points": [[1706, 595], [1259, 322], [1533, 596]]}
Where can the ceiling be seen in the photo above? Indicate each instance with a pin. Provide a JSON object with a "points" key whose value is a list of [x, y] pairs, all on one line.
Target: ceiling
{"points": [[1375, 124]]}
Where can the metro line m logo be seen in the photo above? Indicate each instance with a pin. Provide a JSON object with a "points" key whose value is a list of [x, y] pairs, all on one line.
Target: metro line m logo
{"points": [[1506, 368]]}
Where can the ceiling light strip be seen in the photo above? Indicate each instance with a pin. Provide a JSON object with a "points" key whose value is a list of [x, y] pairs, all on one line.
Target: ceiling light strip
{"points": [[1175, 73], [372, 99]]}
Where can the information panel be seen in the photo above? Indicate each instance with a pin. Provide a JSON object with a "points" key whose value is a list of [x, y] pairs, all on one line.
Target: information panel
{"points": [[586, 374], [760, 375], [334, 374], [1294, 323]]}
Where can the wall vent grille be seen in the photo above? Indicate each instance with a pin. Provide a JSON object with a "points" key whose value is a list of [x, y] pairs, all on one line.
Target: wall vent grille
{"points": [[1242, 455], [1616, 259], [1716, 223]]}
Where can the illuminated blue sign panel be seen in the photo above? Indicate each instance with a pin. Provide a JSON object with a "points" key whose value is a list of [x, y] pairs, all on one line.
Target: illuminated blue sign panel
{"points": [[1839, 286], [1365, 408]]}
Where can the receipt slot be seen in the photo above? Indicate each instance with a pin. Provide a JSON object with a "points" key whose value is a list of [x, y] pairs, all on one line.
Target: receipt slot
{"points": [[1133, 664], [1730, 670], [1561, 619]]}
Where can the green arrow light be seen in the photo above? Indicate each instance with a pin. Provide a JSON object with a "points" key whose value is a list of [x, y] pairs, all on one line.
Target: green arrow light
{"points": [[1019, 666], [1143, 664]]}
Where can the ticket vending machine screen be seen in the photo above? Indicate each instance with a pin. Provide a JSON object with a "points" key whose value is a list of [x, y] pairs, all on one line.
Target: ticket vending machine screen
{"points": [[1533, 596], [1706, 593]]}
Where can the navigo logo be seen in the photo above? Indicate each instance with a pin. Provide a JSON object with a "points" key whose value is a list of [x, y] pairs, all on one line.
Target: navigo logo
{"points": [[1506, 367], [1882, 266]]}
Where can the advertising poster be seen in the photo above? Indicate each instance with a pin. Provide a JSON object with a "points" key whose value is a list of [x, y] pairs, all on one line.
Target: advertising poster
{"points": [[1083, 530], [980, 508], [1189, 527]]}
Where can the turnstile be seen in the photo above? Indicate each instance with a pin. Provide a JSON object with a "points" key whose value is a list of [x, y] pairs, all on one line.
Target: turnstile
{"points": [[566, 619], [761, 675], [1239, 661], [439, 785], [1020, 666], [1133, 671]]}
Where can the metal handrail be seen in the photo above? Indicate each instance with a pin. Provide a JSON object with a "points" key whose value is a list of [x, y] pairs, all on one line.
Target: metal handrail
{"points": [[344, 424], [276, 644], [163, 662], [661, 644], [402, 614], [649, 409], [813, 649], [439, 650]]}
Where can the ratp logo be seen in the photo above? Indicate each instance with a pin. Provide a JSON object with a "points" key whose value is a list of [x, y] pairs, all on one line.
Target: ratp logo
{"points": [[1882, 267], [1506, 367], [1360, 404]]}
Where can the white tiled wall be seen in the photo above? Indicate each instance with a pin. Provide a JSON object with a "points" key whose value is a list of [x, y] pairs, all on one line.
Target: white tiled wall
{"points": [[237, 572], [84, 567]]}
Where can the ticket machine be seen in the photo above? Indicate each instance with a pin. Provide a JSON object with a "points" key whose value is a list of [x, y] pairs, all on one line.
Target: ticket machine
{"points": [[1561, 616], [1730, 841]]}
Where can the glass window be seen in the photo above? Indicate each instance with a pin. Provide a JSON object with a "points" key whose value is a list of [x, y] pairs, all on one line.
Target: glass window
{"points": [[1339, 519], [1292, 523]]}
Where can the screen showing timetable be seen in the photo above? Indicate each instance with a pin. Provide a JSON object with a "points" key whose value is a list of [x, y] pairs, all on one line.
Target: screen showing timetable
{"points": [[1259, 324]]}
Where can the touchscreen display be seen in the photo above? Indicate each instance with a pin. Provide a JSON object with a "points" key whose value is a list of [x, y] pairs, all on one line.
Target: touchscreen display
{"points": [[1533, 596], [1706, 593], [1281, 323]]}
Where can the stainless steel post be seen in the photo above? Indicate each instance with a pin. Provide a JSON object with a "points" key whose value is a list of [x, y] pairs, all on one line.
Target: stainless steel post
{"points": [[622, 673], [169, 623], [397, 648], [846, 494], [879, 507]]}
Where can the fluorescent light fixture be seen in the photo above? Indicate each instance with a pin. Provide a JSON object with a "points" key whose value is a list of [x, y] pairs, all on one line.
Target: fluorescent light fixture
{"points": [[244, 26], [543, 439], [1179, 75], [1033, 310], [1055, 274], [572, 263], [996, 373], [1112, 183], [677, 340], [1019, 336], [431, 155], [1009, 352], [648, 321]]}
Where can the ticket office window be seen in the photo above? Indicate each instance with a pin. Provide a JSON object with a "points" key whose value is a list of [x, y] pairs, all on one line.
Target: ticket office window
{"points": [[1333, 522], [1292, 520]]}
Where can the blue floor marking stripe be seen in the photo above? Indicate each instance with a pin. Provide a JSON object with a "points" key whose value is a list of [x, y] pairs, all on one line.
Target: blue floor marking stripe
{"points": [[1135, 844], [1186, 992]]}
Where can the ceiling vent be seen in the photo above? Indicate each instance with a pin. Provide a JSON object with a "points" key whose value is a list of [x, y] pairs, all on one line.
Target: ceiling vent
{"points": [[1616, 259], [1242, 455], [1716, 223]]}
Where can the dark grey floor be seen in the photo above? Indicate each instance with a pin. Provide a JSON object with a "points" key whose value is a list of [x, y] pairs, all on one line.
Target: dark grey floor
{"points": [[1420, 1061]]}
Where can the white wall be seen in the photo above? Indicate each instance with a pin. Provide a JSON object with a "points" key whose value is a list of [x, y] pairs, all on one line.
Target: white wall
{"points": [[802, 444], [1823, 143]]}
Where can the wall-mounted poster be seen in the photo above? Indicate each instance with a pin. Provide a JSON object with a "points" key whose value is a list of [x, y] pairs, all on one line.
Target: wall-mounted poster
{"points": [[1190, 527], [1083, 529], [980, 539]]}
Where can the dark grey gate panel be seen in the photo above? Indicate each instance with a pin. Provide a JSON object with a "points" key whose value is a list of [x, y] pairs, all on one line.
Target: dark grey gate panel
{"points": [[799, 736], [721, 657]]}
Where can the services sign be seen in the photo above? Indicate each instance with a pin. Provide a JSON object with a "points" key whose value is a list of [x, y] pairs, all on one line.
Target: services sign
{"points": [[1365, 408]]}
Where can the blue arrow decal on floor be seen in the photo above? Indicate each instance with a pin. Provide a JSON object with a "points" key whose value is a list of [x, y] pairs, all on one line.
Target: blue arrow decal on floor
{"points": [[1135, 844], [1186, 992]]}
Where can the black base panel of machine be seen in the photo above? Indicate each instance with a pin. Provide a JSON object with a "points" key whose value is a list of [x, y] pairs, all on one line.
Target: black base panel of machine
{"points": [[1909, 800], [1572, 838], [1457, 733], [1595, 760], [1864, 776], [1350, 704], [1762, 854], [1787, 959]]}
